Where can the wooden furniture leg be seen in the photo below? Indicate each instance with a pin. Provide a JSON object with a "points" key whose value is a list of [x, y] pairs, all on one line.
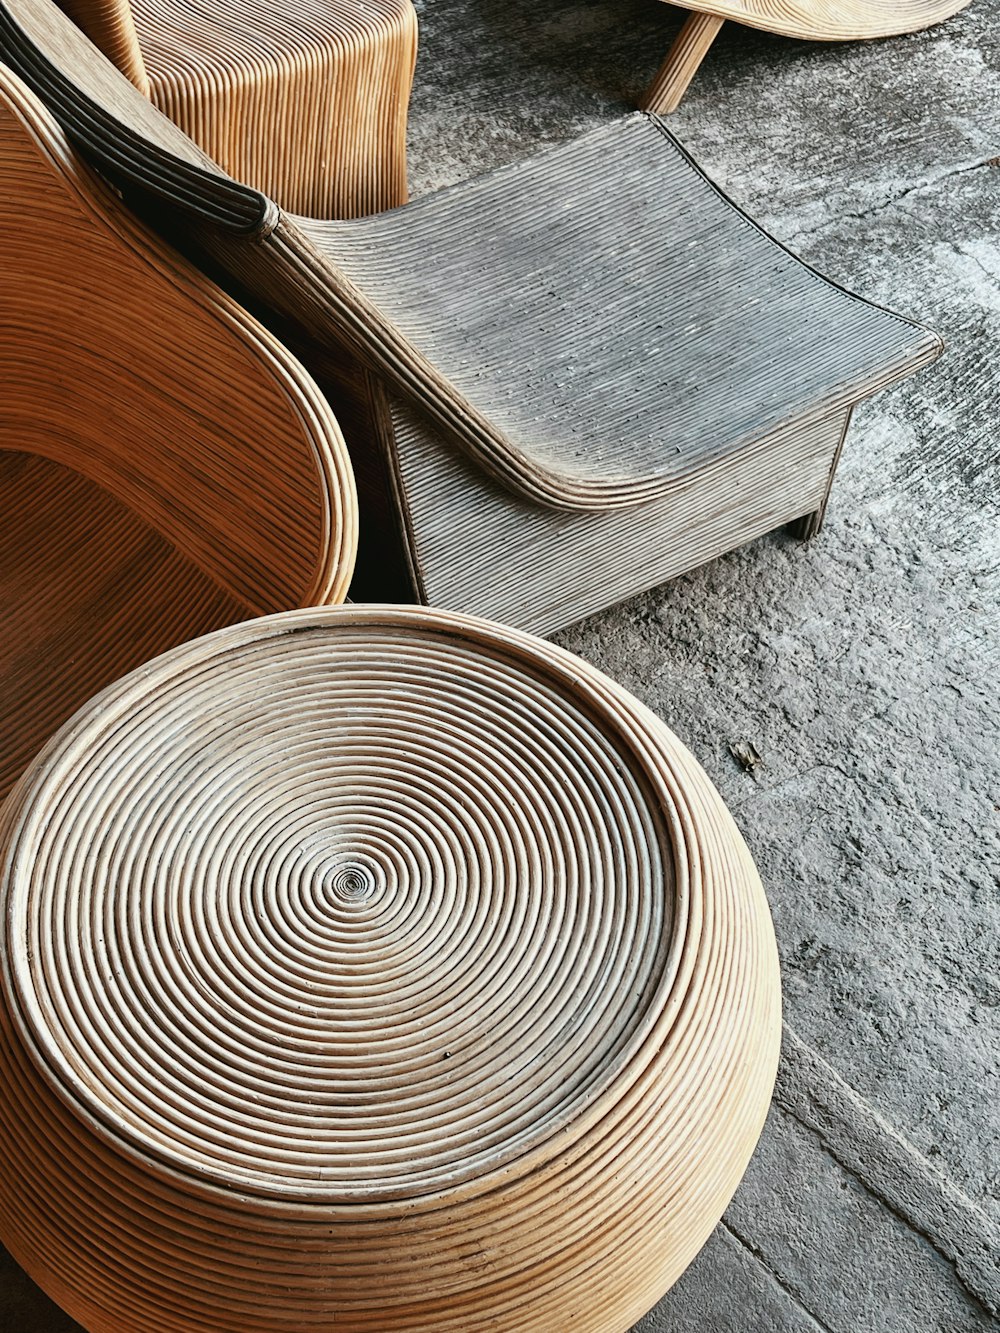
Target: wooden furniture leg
{"points": [[678, 69], [808, 526]]}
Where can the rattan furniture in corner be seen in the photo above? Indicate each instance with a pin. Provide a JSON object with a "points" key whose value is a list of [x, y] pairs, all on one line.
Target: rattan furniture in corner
{"points": [[808, 20], [304, 99], [562, 384], [166, 467], [374, 969]]}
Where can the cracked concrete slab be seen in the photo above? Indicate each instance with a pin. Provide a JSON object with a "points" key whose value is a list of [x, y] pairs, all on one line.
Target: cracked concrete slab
{"points": [[818, 1238], [907, 1184], [862, 668]]}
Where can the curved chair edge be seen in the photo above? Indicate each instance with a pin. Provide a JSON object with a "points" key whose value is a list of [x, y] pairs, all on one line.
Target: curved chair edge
{"points": [[320, 432], [839, 22], [120, 150], [327, 297]]}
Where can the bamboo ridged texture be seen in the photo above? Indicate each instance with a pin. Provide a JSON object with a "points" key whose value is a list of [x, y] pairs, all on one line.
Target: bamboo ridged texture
{"points": [[598, 393], [833, 20], [808, 20], [166, 467], [378, 969], [306, 101]]}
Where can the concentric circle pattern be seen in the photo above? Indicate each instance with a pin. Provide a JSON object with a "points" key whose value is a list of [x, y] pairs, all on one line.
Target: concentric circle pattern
{"points": [[376, 968], [365, 923]]}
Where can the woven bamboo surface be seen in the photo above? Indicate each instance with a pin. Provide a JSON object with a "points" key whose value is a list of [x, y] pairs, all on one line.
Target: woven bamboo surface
{"points": [[165, 465], [558, 567], [306, 101], [374, 968], [640, 344]]}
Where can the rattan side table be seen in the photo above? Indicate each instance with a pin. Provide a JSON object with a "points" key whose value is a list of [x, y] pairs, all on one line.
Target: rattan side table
{"points": [[374, 968]]}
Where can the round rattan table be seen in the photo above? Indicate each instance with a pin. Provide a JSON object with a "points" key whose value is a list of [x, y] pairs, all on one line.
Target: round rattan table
{"points": [[374, 968]]}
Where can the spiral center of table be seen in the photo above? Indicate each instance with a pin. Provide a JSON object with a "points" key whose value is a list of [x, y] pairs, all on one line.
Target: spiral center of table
{"points": [[352, 882], [354, 914]]}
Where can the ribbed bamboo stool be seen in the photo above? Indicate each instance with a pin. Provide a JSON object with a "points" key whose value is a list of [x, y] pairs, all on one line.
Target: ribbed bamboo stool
{"points": [[374, 969]]}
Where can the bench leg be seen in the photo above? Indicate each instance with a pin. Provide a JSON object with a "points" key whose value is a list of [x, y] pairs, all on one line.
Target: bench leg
{"points": [[809, 525], [683, 58]]}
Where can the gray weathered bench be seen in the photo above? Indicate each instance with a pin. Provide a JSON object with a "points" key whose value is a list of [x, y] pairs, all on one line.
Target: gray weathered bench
{"points": [[561, 384]]}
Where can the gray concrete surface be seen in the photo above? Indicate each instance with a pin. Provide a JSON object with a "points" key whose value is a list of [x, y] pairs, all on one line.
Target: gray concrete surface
{"points": [[863, 667]]}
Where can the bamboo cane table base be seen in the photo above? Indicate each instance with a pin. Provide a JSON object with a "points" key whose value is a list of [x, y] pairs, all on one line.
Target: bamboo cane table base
{"points": [[374, 968]]}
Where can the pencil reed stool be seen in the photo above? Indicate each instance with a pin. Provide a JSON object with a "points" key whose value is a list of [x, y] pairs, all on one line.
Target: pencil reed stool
{"points": [[374, 968], [306, 100]]}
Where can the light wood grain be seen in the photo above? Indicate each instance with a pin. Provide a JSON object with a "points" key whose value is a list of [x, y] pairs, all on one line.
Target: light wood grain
{"points": [[306, 101], [808, 20], [165, 465], [681, 63], [374, 968]]}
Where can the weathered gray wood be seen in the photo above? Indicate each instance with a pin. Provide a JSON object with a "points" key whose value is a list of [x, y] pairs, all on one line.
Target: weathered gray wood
{"points": [[622, 338], [594, 331], [559, 567]]}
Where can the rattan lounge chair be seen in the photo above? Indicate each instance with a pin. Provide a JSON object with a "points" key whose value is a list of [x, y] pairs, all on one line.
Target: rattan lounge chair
{"points": [[305, 100], [562, 384], [166, 467], [808, 20]]}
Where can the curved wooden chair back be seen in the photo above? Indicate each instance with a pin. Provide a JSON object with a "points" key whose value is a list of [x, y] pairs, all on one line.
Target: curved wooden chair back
{"points": [[166, 466], [118, 130]]}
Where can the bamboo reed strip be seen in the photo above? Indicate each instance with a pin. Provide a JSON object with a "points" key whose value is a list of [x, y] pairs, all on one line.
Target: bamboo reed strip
{"points": [[306, 101], [184, 470], [833, 20]]}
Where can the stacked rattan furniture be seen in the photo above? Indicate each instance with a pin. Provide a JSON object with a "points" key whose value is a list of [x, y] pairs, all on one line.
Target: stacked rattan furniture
{"points": [[306, 100], [373, 969], [166, 467], [810, 20], [369, 967], [550, 405]]}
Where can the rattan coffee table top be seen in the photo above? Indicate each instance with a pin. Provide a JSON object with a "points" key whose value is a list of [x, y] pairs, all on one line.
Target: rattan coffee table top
{"points": [[350, 907]]}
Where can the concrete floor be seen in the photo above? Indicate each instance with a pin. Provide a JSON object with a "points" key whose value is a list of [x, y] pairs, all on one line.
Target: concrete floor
{"points": [[863, 667]]}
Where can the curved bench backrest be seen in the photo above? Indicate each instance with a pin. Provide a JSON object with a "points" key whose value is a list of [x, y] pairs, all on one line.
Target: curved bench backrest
{"points": [[122, 362], [117, 128]]}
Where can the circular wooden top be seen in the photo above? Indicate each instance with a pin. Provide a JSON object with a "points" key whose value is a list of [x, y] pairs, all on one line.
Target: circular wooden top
{"points": [[832, 20], [347, 905]]}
